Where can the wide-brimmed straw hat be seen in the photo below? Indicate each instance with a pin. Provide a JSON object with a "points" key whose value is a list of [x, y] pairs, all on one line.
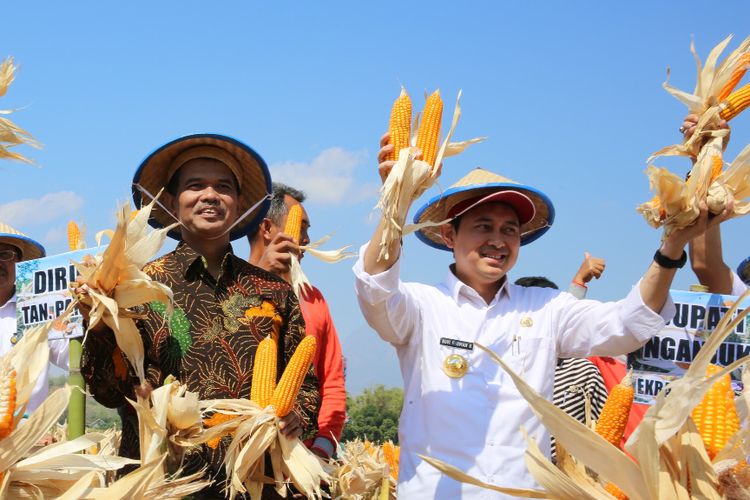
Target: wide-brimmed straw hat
{"points": [[248, 167], [479, 186], [29, 248], [743, 271]]}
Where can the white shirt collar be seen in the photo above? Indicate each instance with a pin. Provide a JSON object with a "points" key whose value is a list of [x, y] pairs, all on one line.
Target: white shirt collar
{"points": [[458, 288]]}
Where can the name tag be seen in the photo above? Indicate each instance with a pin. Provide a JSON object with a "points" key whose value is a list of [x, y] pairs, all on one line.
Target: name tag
{"points": [[469, 346]]}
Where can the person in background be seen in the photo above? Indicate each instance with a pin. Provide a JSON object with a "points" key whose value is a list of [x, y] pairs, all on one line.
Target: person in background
{"points": [[271, 249], [706, 253], [16, 247]]}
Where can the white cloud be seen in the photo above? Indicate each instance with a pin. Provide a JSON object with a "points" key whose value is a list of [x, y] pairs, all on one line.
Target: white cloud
{"points": [[48, 208], [329, 178]]}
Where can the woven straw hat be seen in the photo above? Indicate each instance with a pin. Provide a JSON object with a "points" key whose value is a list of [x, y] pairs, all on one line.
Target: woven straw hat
{"points": [[247, 166], [743, 271], [30, 249], [476, 184]]}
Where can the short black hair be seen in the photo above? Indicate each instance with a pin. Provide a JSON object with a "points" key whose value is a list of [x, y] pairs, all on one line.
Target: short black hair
{"points": [[538, 281], [278, 209]]}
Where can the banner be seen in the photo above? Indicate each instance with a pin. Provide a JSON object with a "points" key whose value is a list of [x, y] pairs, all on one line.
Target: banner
{"points": [[42, 293], [668, 354]]}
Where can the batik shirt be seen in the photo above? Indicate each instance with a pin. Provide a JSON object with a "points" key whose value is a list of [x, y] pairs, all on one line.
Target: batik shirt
{"points": [[208, 343]]}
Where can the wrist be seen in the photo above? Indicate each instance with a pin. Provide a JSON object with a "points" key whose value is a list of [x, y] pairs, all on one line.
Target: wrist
{"points": [[672, 251], [667, 262], [579, 282]]}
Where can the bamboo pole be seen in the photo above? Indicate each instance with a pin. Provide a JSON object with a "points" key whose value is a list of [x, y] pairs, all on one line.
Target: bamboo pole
{"points": [[77, 403]]}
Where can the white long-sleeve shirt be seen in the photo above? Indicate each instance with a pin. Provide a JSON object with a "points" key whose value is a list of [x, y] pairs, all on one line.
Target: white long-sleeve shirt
{"points": [[58, 352], [474, 422]]}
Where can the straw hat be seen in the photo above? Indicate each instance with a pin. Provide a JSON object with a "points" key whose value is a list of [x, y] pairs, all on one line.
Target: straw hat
{"points": [[743, 271], [248, 167], [479, 185], [30, 249]]}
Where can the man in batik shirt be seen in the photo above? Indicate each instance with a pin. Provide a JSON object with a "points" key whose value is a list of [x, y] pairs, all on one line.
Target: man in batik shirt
{"points": [[216, 188]]}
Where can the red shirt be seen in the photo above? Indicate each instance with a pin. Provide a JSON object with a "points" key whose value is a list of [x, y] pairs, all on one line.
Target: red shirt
{"points": [[328, 365], [613, 372]]}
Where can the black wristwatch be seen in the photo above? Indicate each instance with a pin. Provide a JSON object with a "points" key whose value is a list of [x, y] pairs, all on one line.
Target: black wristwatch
{"points": [[668, 263]]}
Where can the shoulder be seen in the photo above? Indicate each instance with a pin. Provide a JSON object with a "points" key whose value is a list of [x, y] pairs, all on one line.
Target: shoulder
{"points": [[244, 269], [537, 294]]}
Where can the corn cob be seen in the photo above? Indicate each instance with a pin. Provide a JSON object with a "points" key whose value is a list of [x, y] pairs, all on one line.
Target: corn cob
{"points": [[216, 419], [291, 380], [737, 75], [74, 236], [7, 400], [736, 103], [264, 372], [614, 415], [391, 454], [616, 492], [399, 126], [716, 416], [293, 225], [429, 128], [717, 164]]}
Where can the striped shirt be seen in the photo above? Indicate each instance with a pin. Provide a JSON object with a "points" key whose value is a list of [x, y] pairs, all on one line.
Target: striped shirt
{"points": [[575, 380]]}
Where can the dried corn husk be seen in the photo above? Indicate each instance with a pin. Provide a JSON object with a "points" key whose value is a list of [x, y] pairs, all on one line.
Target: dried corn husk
{"points": [[704, 102], [359, 471], [115, 281], [408, 179], [256, 432], [671, 461], [11, 134], [300, 283], [676, 204]]}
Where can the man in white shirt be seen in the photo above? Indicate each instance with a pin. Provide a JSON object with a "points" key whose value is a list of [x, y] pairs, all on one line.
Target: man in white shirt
{"points": [[16, 247], [459, 406]]}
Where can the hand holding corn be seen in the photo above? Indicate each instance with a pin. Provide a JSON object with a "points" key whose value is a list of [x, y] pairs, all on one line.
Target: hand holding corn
{"points": [[690, 123], [277, 256]]}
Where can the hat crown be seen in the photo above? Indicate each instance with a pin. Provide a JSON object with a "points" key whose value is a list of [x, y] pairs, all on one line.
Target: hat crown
{"points": [[480, 176]]}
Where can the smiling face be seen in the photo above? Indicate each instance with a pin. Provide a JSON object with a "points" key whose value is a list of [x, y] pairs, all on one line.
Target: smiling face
{"points": [[206, 198], [485, 245]]}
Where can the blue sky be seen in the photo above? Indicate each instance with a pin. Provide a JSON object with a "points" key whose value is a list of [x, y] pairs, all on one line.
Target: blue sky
{"points": [[568, 93]]}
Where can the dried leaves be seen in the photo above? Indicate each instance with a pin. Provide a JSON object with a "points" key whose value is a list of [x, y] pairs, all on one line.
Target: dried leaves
{"points": [[10, 134], [115, 281]]}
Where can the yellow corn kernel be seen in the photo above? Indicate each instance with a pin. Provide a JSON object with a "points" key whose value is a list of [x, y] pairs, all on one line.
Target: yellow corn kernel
{"points": [[216, 419], [293, 225], [291, 380], [399, 125], [429, 128], [717, 164], [616, 492], [736, 103], [614, 415], [392, 454], [737, 75], [74, 235], [716, 416], [7, 400], [264, 372]]}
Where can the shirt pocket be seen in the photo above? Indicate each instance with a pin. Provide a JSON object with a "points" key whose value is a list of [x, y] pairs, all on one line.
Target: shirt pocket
{"points": [[526, 348]]}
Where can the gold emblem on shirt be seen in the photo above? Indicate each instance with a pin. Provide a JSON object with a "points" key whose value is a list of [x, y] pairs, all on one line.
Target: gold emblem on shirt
{"points": [[527, 322], [14, 340], [455, 366]]}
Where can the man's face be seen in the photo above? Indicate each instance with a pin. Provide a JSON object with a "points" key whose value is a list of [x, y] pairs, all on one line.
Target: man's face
{"points": [[304, 238], [7, 269], [486, 244], [207, 197]]}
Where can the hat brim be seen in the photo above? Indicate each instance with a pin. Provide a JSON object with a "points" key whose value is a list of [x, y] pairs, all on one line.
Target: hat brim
{"points": [[743, 271], [255, 179], [437, 208], [30, 249]]}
